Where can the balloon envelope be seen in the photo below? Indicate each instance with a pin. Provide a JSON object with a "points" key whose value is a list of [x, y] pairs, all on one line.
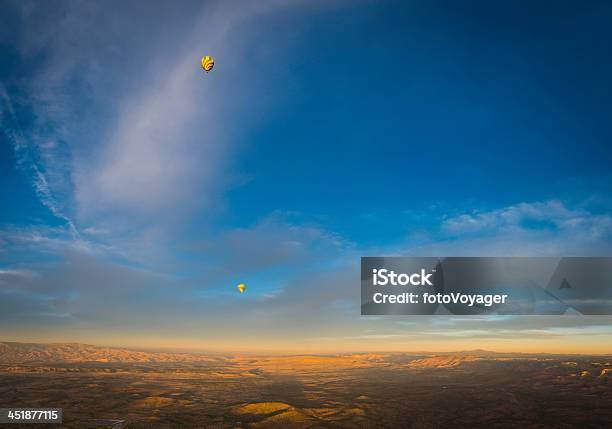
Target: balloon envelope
{"points": [[208, 63]]}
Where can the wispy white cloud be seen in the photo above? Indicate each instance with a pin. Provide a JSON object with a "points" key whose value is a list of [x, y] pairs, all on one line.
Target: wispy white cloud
{"points": [[26, 161], [129, 136], [525, 216], [541, 228]]}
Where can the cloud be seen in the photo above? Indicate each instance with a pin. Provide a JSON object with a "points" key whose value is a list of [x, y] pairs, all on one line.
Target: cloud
{"points": [[125, 124], [274, 241], [27, 163], [547, 228], [549, 215]]}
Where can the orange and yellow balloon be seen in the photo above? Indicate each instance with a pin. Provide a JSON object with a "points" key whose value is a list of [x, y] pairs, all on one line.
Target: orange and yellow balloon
{"points": [[208, 63], [241, 287]]}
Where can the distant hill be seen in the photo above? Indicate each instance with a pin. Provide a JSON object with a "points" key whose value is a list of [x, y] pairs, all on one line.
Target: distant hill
{"points": [[12, 352], [26, 353]]}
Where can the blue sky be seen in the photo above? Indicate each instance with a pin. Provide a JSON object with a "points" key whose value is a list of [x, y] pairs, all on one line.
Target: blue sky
{"points": [[326, 131]]}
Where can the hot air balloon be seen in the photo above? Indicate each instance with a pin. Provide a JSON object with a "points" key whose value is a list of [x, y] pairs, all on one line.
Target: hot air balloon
{"points": [[241, 287], [208, 63]]}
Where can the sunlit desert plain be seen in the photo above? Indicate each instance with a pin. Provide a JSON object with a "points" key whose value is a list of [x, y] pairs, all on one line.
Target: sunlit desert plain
{"points": [[117, 388]]}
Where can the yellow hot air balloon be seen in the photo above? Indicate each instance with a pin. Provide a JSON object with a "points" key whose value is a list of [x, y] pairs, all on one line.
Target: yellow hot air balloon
{"points": [[208, 63], [241, 287]]}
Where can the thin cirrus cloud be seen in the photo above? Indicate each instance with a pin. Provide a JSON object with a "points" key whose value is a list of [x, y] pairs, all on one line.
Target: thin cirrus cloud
{"points": [[548, 214], [126, 122], [541, 228]]}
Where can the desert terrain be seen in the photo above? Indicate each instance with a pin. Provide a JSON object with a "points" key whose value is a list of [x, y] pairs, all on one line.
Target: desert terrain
{"points": [[101, 387]]}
